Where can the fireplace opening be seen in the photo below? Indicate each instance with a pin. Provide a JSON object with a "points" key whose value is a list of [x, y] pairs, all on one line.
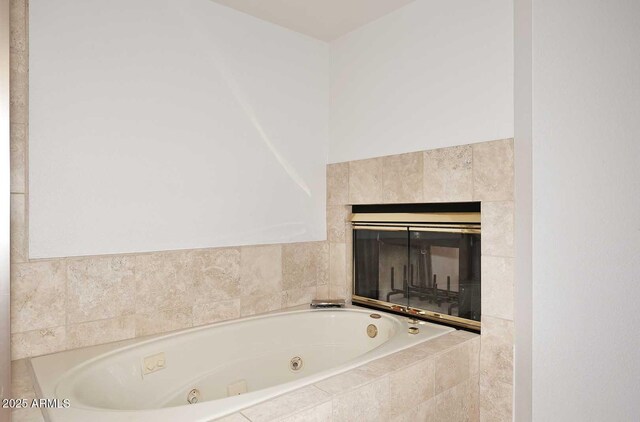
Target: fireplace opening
{"points": [[419, 259]]}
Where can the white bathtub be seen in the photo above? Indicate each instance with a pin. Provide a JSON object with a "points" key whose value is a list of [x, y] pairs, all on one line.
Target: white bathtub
{"points": [[106, 383]]}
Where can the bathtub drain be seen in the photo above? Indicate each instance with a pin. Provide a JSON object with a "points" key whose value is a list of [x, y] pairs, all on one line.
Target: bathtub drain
{"points": [[193, 396]]}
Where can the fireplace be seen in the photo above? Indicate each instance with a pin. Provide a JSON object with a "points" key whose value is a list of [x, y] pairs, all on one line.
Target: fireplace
{"points": [[419, 259]]}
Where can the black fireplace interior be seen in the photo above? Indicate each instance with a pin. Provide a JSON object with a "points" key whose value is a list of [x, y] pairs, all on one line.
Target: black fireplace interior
{"points": [[430, 266]]}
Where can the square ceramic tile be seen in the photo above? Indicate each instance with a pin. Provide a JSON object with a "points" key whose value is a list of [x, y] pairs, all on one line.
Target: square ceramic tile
{"points": [[215, 274], [493, 170], [365, 181], [448, 174], [260, 270], [100, 288], [163, 281], [305, 264], [38, 295], [402, 178]]}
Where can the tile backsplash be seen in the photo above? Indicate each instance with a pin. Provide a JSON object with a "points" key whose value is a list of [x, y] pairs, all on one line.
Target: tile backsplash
{"points": [[67, 303], [477, 172]]}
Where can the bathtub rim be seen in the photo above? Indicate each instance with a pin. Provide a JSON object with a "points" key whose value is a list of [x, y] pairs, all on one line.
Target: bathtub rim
{"points": [[395, 321]]}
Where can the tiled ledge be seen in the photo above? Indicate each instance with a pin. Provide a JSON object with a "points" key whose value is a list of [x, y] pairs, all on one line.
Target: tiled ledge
{"points": [[437, 379]]}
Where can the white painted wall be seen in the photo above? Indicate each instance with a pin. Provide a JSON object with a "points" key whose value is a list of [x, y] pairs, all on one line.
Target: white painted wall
{"points": [[523, 287], [172, 124], [431, 74], [5, 196], [586, 212]]}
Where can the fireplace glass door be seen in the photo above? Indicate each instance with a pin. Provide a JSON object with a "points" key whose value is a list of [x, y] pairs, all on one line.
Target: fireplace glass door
{"points": [[430, 271]]}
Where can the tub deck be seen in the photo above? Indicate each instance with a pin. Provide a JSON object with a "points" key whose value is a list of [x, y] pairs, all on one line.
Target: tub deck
{"points": [[430, 378]]}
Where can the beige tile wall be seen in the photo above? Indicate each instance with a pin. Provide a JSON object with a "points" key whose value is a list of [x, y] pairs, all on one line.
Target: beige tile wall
{"points": [[74, 302], [479, 172]]}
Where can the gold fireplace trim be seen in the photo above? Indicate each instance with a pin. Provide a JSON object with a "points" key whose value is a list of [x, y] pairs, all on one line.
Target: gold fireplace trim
{"points": [[416, 217], [419, 313], [426, 228]]}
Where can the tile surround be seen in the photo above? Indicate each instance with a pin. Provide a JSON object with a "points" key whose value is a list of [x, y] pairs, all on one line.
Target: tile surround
{"points": [[398, 387], [478, 172]]}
